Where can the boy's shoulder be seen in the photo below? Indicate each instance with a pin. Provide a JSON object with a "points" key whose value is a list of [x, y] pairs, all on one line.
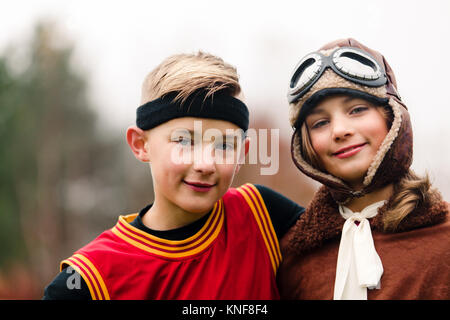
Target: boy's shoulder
{"points": [[242, 190], [248, 196], [101, 247], [251, 190], [258, 192], [264, 201]]}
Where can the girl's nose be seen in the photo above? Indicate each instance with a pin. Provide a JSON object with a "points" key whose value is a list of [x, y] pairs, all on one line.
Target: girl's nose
{"points": [[341, 130]]}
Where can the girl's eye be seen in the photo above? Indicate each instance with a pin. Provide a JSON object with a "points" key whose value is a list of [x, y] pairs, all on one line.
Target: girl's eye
{"points": [[319, 124], [358, 109]]}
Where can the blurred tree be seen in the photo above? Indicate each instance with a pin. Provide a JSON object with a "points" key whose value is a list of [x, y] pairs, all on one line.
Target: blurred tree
{"points": [[55, 164], [12, 243]]}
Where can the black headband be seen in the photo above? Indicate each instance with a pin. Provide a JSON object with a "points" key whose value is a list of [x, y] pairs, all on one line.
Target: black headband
{"points": [[217, 106]]}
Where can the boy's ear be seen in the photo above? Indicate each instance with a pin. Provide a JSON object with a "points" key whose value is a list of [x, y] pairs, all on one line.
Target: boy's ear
{"points": [[137, 140]]}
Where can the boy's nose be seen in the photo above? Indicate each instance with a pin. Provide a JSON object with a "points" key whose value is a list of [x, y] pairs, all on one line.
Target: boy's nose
{"points": [[204, 160]]}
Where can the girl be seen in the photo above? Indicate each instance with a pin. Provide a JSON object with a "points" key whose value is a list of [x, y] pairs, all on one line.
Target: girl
{"points": [[374, 230]]}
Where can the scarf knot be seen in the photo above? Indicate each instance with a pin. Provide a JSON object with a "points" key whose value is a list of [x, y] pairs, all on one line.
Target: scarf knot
{"points": [[358, 267]]}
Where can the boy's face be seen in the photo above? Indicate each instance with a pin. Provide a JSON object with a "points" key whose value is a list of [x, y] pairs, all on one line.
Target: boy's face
{"points": [[346, 134], [193, 162]]}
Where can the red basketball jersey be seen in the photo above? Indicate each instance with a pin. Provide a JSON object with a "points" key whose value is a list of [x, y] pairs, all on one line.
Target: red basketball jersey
{"points": [[235, 255]]}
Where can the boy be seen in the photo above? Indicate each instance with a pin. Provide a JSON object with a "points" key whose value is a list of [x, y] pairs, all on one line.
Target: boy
{"points": [[199, 239]]}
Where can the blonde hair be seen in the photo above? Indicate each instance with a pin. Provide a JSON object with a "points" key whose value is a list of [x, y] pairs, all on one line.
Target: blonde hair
{"points": [[410, 191], [186, 73]]}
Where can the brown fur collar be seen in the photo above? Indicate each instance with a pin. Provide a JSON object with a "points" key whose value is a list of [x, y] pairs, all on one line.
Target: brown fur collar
{"points": [[322, 221]]}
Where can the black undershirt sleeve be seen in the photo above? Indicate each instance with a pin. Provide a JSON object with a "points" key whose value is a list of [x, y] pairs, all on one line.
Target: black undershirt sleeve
{"points": [[283, 211], [67, 285]]}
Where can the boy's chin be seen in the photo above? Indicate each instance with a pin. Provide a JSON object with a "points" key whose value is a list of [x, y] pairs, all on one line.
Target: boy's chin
{"points": [[199, 209]]}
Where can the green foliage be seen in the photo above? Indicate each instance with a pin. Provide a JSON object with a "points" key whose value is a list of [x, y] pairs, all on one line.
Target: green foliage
{"points": [[63, 179], [10, 231], [48, 142]]}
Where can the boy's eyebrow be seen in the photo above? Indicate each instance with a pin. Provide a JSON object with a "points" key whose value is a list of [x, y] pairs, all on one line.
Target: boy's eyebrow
{"points": [[183, 130], [192, 133]]}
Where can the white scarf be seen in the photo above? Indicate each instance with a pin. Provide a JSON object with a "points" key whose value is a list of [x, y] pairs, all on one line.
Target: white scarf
{"points": [[358, 266]]}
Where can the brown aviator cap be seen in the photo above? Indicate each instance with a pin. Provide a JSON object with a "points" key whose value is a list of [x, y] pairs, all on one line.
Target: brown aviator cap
{"points": [[394, 157]]}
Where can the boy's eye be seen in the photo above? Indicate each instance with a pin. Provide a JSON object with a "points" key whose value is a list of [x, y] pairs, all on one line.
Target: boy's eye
{"points": [[225, 146], [184, 141]]}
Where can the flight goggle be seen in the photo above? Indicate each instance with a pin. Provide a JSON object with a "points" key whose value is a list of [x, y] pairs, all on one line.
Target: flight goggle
{"points": [[350, 63]]}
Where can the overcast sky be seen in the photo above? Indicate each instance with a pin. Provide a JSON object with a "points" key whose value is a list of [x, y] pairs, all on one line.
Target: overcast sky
{"points": [[119, 42]]}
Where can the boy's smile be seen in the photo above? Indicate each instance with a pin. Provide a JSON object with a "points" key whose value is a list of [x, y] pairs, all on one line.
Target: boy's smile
{"points": [[346, 134], [199, 186]]}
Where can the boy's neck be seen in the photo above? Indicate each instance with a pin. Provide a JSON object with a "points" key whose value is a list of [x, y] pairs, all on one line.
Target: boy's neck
{"points": [[358, 204], [163, 218]]}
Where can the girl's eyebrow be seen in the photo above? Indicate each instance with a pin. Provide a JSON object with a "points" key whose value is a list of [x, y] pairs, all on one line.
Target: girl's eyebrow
{"points": [[349, 99], [316, 111]]}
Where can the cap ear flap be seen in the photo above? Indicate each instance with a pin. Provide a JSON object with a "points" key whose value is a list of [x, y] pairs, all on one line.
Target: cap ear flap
{"points": [[395, 155]]}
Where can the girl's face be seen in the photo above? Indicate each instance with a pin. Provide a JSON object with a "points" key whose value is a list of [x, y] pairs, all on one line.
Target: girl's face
{"points": [[346, 133]]}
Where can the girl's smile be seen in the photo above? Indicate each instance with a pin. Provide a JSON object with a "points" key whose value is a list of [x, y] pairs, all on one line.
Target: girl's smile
{"points": [[349, 151]]}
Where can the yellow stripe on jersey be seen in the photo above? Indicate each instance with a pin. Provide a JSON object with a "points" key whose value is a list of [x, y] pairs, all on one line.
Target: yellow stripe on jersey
{"points": [[182, 251], [165, 244], [90, 274], [269, 221], [96, 275], [261, 215], [86, 279]]}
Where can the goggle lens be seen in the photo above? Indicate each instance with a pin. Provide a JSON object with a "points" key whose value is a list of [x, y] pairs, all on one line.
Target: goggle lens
{"points": [[306, 72], [356, 65]]}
